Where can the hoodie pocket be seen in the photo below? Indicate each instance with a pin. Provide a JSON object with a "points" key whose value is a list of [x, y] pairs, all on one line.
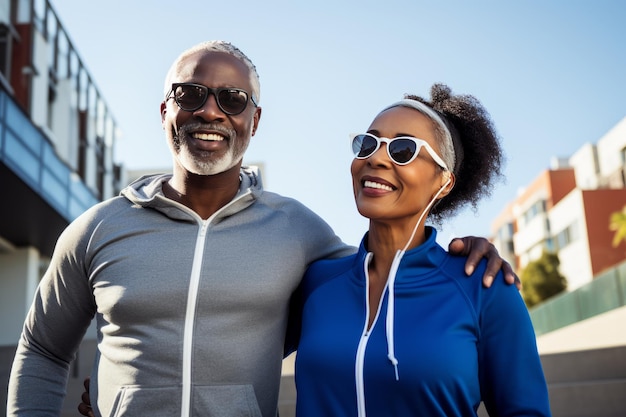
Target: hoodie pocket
{"points": [[225, 401], [207, 400], [135, 400]]}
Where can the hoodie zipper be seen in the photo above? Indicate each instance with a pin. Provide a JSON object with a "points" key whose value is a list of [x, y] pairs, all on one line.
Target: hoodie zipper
{"points": [[365, 335], [360, 358], [190, 314], [389, 324], [362, 347], [190, 318]]}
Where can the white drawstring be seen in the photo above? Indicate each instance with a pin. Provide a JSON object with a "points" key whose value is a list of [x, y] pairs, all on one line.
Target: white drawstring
{"points": [[390, 312], [389, 321]]}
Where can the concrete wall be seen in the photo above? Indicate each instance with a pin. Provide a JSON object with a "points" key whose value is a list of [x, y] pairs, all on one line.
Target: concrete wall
{"points": [[18, 280], [587, 383]]}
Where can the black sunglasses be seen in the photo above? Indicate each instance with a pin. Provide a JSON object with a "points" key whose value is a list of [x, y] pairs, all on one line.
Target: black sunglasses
{"points": [[401, 150], [191, 97]]}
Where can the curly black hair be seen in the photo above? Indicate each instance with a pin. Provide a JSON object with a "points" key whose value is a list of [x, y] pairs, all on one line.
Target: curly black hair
{"points": [[479, 156]]}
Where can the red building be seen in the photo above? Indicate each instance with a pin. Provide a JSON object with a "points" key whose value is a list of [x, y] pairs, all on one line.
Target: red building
{"points": [[567, 209]]}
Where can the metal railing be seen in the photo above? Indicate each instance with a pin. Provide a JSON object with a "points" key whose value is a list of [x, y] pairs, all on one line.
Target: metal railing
{"points": [[26, 150], [606, 292]]}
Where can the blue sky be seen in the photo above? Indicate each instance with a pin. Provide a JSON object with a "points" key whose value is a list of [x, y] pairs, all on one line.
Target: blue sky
{"points": [[551, 75]]}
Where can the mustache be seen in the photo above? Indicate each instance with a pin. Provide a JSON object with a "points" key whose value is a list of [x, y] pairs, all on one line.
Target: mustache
{"points": [[185, 129]]}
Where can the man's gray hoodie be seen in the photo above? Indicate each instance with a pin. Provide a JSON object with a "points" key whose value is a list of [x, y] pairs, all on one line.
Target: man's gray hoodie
{"points": [[191, 314]]}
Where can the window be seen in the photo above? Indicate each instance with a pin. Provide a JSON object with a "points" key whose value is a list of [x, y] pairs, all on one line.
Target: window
{"points": [[5, 51], [505, 232], [510, 247], [568, 235], [534, 210]]}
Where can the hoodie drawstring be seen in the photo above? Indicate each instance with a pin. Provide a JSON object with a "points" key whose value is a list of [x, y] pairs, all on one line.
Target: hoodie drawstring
{"points": [[391, 354], [389, 320]]}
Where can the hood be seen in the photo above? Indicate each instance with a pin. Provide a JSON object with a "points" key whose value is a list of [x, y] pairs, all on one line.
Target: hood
{"points": [[147, 191]]}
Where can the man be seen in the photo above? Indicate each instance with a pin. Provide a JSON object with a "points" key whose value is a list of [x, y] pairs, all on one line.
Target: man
{"points": [[189, 276]]}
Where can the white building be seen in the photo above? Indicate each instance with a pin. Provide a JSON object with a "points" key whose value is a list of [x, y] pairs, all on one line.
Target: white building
{"points": [[566, 209], [56, 159]]}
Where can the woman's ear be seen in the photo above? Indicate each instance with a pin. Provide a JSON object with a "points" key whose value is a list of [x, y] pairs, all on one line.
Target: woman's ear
{"points": [[447, 183]]}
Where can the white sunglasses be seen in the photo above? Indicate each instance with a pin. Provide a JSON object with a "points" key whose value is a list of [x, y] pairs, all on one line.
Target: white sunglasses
{"points": [[401, 150]]}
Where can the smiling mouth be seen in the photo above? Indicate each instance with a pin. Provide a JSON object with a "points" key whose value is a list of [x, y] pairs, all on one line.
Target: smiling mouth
{"points": [[372, 184], [208, 136]]}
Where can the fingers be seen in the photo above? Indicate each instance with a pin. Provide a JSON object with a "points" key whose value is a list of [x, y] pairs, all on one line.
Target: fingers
{"points": [[457, 247], [476, 248], [85, 407], [85, 410], [511, 277], [461, 246]]}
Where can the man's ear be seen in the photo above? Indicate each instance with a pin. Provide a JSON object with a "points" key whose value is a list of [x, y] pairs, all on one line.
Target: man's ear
{"points": [[163, 111], [255, 120]]}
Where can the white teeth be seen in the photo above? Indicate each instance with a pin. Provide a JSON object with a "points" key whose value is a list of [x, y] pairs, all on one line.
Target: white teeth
{"points": [[207, 136], [372, 184]]}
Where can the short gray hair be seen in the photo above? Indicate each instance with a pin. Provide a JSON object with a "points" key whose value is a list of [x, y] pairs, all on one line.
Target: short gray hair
{"points": [[218, 46]]}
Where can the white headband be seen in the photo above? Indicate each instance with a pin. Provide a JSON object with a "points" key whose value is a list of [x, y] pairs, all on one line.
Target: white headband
{"points": [[430, 113]]}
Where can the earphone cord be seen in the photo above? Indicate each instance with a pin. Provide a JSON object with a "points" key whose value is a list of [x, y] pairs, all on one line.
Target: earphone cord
{"points": [[389, 320], [424, 213]]}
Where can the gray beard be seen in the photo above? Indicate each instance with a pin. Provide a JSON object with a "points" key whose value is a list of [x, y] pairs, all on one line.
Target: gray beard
{"points": [[205, 163]]}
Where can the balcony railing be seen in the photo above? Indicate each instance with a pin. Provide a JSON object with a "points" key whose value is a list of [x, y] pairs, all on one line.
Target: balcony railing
{"points": [[605, 293], [26, 150]]}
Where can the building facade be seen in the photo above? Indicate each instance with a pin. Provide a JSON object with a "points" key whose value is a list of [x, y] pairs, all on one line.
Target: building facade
{"points": [[57, 138], [566, 210]]}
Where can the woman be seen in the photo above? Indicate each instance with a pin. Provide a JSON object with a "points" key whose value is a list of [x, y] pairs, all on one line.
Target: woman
{"points": [[396, 330]]}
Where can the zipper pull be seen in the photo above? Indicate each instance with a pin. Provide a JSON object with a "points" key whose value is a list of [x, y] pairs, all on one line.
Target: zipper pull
{"points": [[205, 226]]}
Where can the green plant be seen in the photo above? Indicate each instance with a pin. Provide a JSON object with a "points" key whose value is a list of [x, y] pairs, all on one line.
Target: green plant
{"points": [[617, 224], [541, 279]]}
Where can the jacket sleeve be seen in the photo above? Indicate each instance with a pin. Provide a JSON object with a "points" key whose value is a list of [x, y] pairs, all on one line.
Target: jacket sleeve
{"points": [[319, 239], [511, 375], [319, 242], [59, 316], [294, 326]]}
